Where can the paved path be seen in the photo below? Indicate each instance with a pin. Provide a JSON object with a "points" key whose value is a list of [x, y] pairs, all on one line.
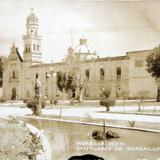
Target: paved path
{"points": [[91, 112]]}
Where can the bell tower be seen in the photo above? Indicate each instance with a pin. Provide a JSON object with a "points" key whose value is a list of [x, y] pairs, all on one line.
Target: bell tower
{"points": [[32, 40]]}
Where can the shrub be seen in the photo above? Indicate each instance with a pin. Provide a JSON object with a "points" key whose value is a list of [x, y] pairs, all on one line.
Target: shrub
{"points": [[2, 100], [53, 102], [131, 123], [32, 105], [100, 135], [111, 134], [107, 102], [105, 94], [25, 100], [43, 103]]}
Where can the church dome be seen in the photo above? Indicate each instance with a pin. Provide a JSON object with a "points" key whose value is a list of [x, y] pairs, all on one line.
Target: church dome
{"points": [[32, 18], [82, 47], [83, 51]]}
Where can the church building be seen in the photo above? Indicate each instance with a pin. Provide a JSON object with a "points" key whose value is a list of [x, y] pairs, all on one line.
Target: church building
{"points": [[125, 76]]}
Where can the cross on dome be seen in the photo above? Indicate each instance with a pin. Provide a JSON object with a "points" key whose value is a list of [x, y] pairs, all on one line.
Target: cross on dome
{"points": [[32, 10]]}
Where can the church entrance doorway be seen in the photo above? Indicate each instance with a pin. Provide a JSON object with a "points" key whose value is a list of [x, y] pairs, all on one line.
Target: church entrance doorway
{"points": [[13, 93]]}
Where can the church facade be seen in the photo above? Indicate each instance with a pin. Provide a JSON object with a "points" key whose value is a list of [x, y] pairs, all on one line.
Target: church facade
{"points": [[125, 76]]}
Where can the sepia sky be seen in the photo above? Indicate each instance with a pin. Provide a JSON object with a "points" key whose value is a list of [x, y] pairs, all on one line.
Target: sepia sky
{"points": [[112, 28]]}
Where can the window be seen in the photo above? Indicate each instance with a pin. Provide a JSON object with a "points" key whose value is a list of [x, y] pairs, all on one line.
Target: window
{"points": [[34, 47], [102, 73], [37, 75], [46, 92], [26, 49], [139, 63], [14, 75], [118, 72], [118, 91], [87, 74], [47, 75]]}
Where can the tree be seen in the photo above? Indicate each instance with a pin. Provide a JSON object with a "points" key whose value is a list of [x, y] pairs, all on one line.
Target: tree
{"points": [[153, 67], [65, 83], [142, 95], [61, 81], [73, 72], [70, 81], [37, 103]]}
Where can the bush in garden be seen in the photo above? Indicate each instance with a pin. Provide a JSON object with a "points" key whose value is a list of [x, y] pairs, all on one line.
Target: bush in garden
{"points": [[100, 135], [43, 103], [25, 101], [105, 94], [2, 100], [105, 100], [32, 104], [54, 102]]}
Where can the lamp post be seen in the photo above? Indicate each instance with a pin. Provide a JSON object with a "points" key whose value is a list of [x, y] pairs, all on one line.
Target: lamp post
{"points": [[53, 75]]}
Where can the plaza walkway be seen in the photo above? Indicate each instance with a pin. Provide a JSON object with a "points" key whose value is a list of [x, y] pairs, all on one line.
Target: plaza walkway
{"points": [[91, 114]]}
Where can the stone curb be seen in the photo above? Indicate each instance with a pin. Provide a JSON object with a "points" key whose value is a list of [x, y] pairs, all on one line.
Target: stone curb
{"points": [[96, 124], [46, 155]]}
